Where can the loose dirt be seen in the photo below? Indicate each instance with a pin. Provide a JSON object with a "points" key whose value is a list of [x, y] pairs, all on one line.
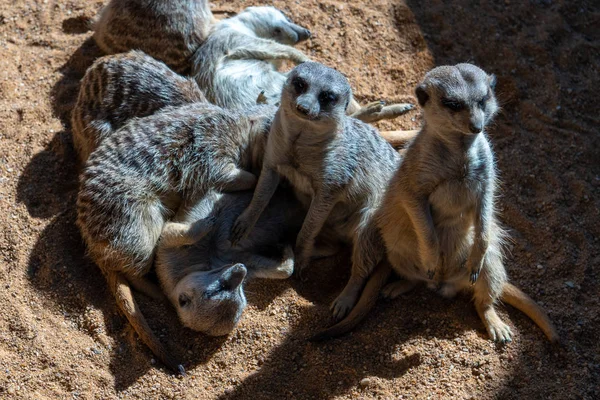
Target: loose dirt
{"points": [[61, 335]]}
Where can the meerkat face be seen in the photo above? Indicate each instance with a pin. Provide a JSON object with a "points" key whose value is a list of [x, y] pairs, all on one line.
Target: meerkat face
{"points": [[316, 94], [270, 23], [458, 98], [211, 302]]}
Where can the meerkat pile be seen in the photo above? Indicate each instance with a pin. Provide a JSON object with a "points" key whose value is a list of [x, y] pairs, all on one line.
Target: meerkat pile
{"points": [[182, 173]]}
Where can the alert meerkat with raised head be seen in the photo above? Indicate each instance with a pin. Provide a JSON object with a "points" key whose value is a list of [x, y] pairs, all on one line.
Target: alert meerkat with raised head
{"points": [[169, 31], [119, 87], [239, 62], [438, 218], [338, 165], [136, 179], [203, 276]]}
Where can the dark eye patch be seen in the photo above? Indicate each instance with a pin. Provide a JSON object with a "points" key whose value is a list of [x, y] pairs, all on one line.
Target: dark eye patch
{"points": [[453, 105], [300, 84], [484, 100], [184, 300], [277, 31], [327, 98]]}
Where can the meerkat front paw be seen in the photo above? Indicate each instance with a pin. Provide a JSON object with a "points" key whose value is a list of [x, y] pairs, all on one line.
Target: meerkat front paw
{"points": [[301, 264], [240, 230], [475, 271]]}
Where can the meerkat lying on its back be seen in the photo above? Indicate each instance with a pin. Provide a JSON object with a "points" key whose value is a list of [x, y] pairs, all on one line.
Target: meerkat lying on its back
{"points": [[239, 62], [240, 58], [203, 275], [135, 180], [338, 165], [170, 31], [119, 87], [438, 219]]}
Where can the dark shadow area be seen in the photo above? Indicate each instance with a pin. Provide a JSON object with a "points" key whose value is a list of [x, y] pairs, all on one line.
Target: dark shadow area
{"points": [[80, 24], [546, 54], [58, 266]]}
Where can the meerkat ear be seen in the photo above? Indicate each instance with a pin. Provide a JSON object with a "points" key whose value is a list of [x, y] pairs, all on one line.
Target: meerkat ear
{"points": [[422, 95], [492, 80]]}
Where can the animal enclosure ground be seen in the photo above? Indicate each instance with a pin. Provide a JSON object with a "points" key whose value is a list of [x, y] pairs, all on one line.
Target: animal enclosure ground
{"points": [[61, 335]]}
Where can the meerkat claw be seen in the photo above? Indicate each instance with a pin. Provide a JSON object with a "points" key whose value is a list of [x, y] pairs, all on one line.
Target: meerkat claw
{"points": [[474, 277], [261, 99], [431, 273]]}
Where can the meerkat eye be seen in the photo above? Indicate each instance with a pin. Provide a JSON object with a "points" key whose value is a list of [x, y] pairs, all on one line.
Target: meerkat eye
{"points": [[327, 98], [482, 102], [277, 31], [184, 300], [453, 105], [299, 84]]}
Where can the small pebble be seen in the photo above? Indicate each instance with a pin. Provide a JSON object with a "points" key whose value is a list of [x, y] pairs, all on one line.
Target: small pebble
{"points": [[569, 284], [365, 382]]}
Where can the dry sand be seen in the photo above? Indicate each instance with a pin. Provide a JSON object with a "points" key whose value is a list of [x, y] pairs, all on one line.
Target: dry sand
{"points": [[61, 335]]}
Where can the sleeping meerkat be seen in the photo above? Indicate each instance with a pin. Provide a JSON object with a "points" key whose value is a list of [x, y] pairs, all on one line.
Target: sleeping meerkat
{"points": [[339, 167], [438, 218], [119, 87], [202, 275], [239, 61], [169, 31], [137, 178]]}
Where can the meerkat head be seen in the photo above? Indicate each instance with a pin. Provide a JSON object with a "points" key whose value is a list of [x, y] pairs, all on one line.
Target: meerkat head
{"points": [[458, 98], [271, 23], [316, 94], [211, 302]]}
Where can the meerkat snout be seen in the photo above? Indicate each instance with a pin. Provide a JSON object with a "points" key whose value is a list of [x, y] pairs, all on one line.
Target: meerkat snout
{"points": [[212, 302], [459, 97]]}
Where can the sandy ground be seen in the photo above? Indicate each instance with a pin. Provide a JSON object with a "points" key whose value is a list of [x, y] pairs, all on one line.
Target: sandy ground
{"points": [[61, 335]]}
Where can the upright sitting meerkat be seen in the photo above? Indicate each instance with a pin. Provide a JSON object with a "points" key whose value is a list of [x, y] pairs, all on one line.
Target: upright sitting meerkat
{"points": [[239, 62], [203, 276], [170, 31], [135, 180], [438, 218], [338, 165], [119, 87]]}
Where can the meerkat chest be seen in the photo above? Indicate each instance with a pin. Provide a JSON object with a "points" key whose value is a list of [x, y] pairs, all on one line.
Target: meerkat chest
{"points": [[300, 181]]}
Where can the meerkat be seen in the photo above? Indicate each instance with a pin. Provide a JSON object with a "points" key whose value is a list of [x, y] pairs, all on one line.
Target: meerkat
{"points": [[119, 87], [169, 31], [136, 179], [438, 218], [338, 166], [202, 275], [239, 62]]}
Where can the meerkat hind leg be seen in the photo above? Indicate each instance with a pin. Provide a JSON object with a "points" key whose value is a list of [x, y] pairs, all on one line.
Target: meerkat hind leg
{"points": [[268, 268], [144, 286], [238, 180], [398, 288], [399, 138], [342, 305], [498, 330]]}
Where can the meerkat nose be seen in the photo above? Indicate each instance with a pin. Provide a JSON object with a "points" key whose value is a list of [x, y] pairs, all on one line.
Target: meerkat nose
{"points": [[234, 276], [475, 127], [304, 34]]}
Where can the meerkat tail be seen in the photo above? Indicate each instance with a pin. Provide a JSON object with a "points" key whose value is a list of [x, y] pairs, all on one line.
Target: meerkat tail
{"points": [[399, 138], [126, 302], [362, 308], [519, 300]]}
